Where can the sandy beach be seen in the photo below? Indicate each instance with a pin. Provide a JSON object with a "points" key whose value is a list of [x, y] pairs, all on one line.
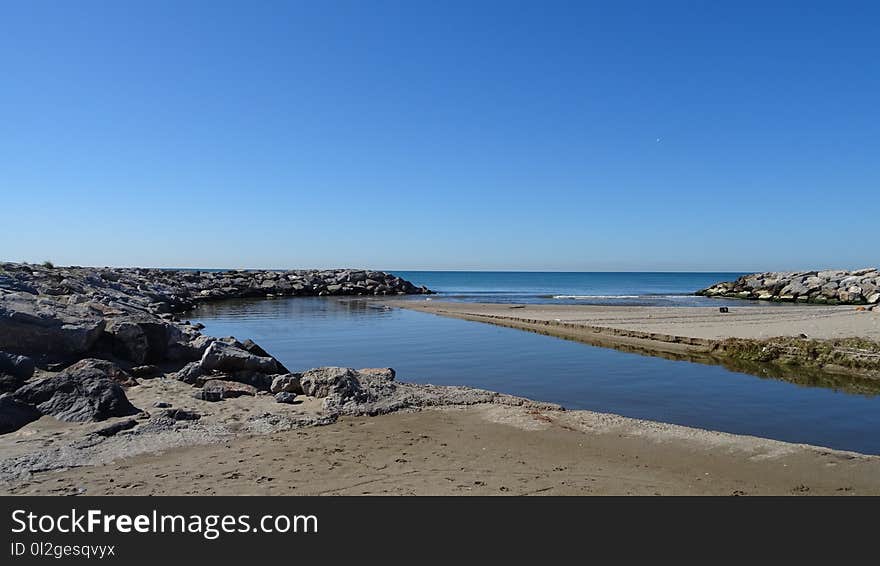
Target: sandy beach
{"points": [[657, 323], [478, 450], [658, 330]]}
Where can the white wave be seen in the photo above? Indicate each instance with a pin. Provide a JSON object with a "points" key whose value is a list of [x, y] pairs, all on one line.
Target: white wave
{"points": [[597, 296]]}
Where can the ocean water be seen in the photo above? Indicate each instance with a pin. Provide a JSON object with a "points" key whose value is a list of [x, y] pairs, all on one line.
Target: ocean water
{"points": [[311, 332], [657, 289]]}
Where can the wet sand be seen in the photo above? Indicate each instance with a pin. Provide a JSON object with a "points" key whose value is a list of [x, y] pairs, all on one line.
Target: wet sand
{"points": [[663, 329], [478, 450]]}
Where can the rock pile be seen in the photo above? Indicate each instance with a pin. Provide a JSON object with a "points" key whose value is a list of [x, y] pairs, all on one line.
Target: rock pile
{"points": [[165, 291], [94, 332], [832, 287]]}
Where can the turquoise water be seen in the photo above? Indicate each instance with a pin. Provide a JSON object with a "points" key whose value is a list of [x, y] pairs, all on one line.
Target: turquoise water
{"points": [[311, 332]]}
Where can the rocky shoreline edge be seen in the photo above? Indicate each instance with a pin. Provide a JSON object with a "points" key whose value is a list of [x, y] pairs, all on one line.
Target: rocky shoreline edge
{"points": [[828, 287], [78, 344]]}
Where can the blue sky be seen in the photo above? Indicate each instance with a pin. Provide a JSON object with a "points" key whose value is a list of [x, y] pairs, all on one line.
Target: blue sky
{"points": [[441, 135]]}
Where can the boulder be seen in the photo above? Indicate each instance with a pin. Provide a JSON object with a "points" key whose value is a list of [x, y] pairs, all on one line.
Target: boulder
{"points": [[227, 358], [287, 383], [77, 395], [110, 369], [285, 397], [21, 367], [46, 328], [378, 373], [139, 340], [14, 371], [252, 348], [228, 389], [190, 373], [14, 414], [321, 382]]}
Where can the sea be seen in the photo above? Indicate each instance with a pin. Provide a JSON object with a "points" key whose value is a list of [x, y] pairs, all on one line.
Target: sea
{"points": [[425, 348]]}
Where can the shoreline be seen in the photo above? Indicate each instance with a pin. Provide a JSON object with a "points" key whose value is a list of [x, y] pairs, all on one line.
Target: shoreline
{"points": [[780, 341], [482, 449]]}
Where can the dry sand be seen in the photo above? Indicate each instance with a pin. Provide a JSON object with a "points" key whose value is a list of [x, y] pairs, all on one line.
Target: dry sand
{"points": [[663, 329], [478, 450]]}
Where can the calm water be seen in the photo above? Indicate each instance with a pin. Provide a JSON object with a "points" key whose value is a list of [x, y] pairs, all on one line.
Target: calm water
{"points": [[423, 348]]}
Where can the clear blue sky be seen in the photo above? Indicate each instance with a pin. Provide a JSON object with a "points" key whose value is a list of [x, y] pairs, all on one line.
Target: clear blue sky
{"points": [[660, 135]]}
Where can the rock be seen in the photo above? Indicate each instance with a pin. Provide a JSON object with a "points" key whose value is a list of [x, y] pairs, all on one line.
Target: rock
{"points": [[77, 395], [825, 287], [261, 381], [128, 341], [162, 405], [14, 414], [46, 328], [252, 348], [226, 358], [210, 395], [113, 429], [140, 340], [182, 415], [229, 389], [146, 371], [378, 373], [190, 373], [21, 367], [874, 298], [110, 369], [321, 382], [285, 397], [287, 383], [14, 371], [9, 383], [794, 289]]}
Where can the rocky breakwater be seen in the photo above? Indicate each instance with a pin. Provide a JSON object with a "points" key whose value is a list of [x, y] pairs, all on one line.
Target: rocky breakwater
{"points": [[73, 340], [831, 287]]}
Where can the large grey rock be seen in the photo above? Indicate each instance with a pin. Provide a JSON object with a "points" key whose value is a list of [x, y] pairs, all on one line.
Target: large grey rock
{"points": [[141, 339], [287, 383], [227, 358], [190, 373], [14, 414], [110, 369], [252, 348], [325, 381], [78, 395], [46, 328]]}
